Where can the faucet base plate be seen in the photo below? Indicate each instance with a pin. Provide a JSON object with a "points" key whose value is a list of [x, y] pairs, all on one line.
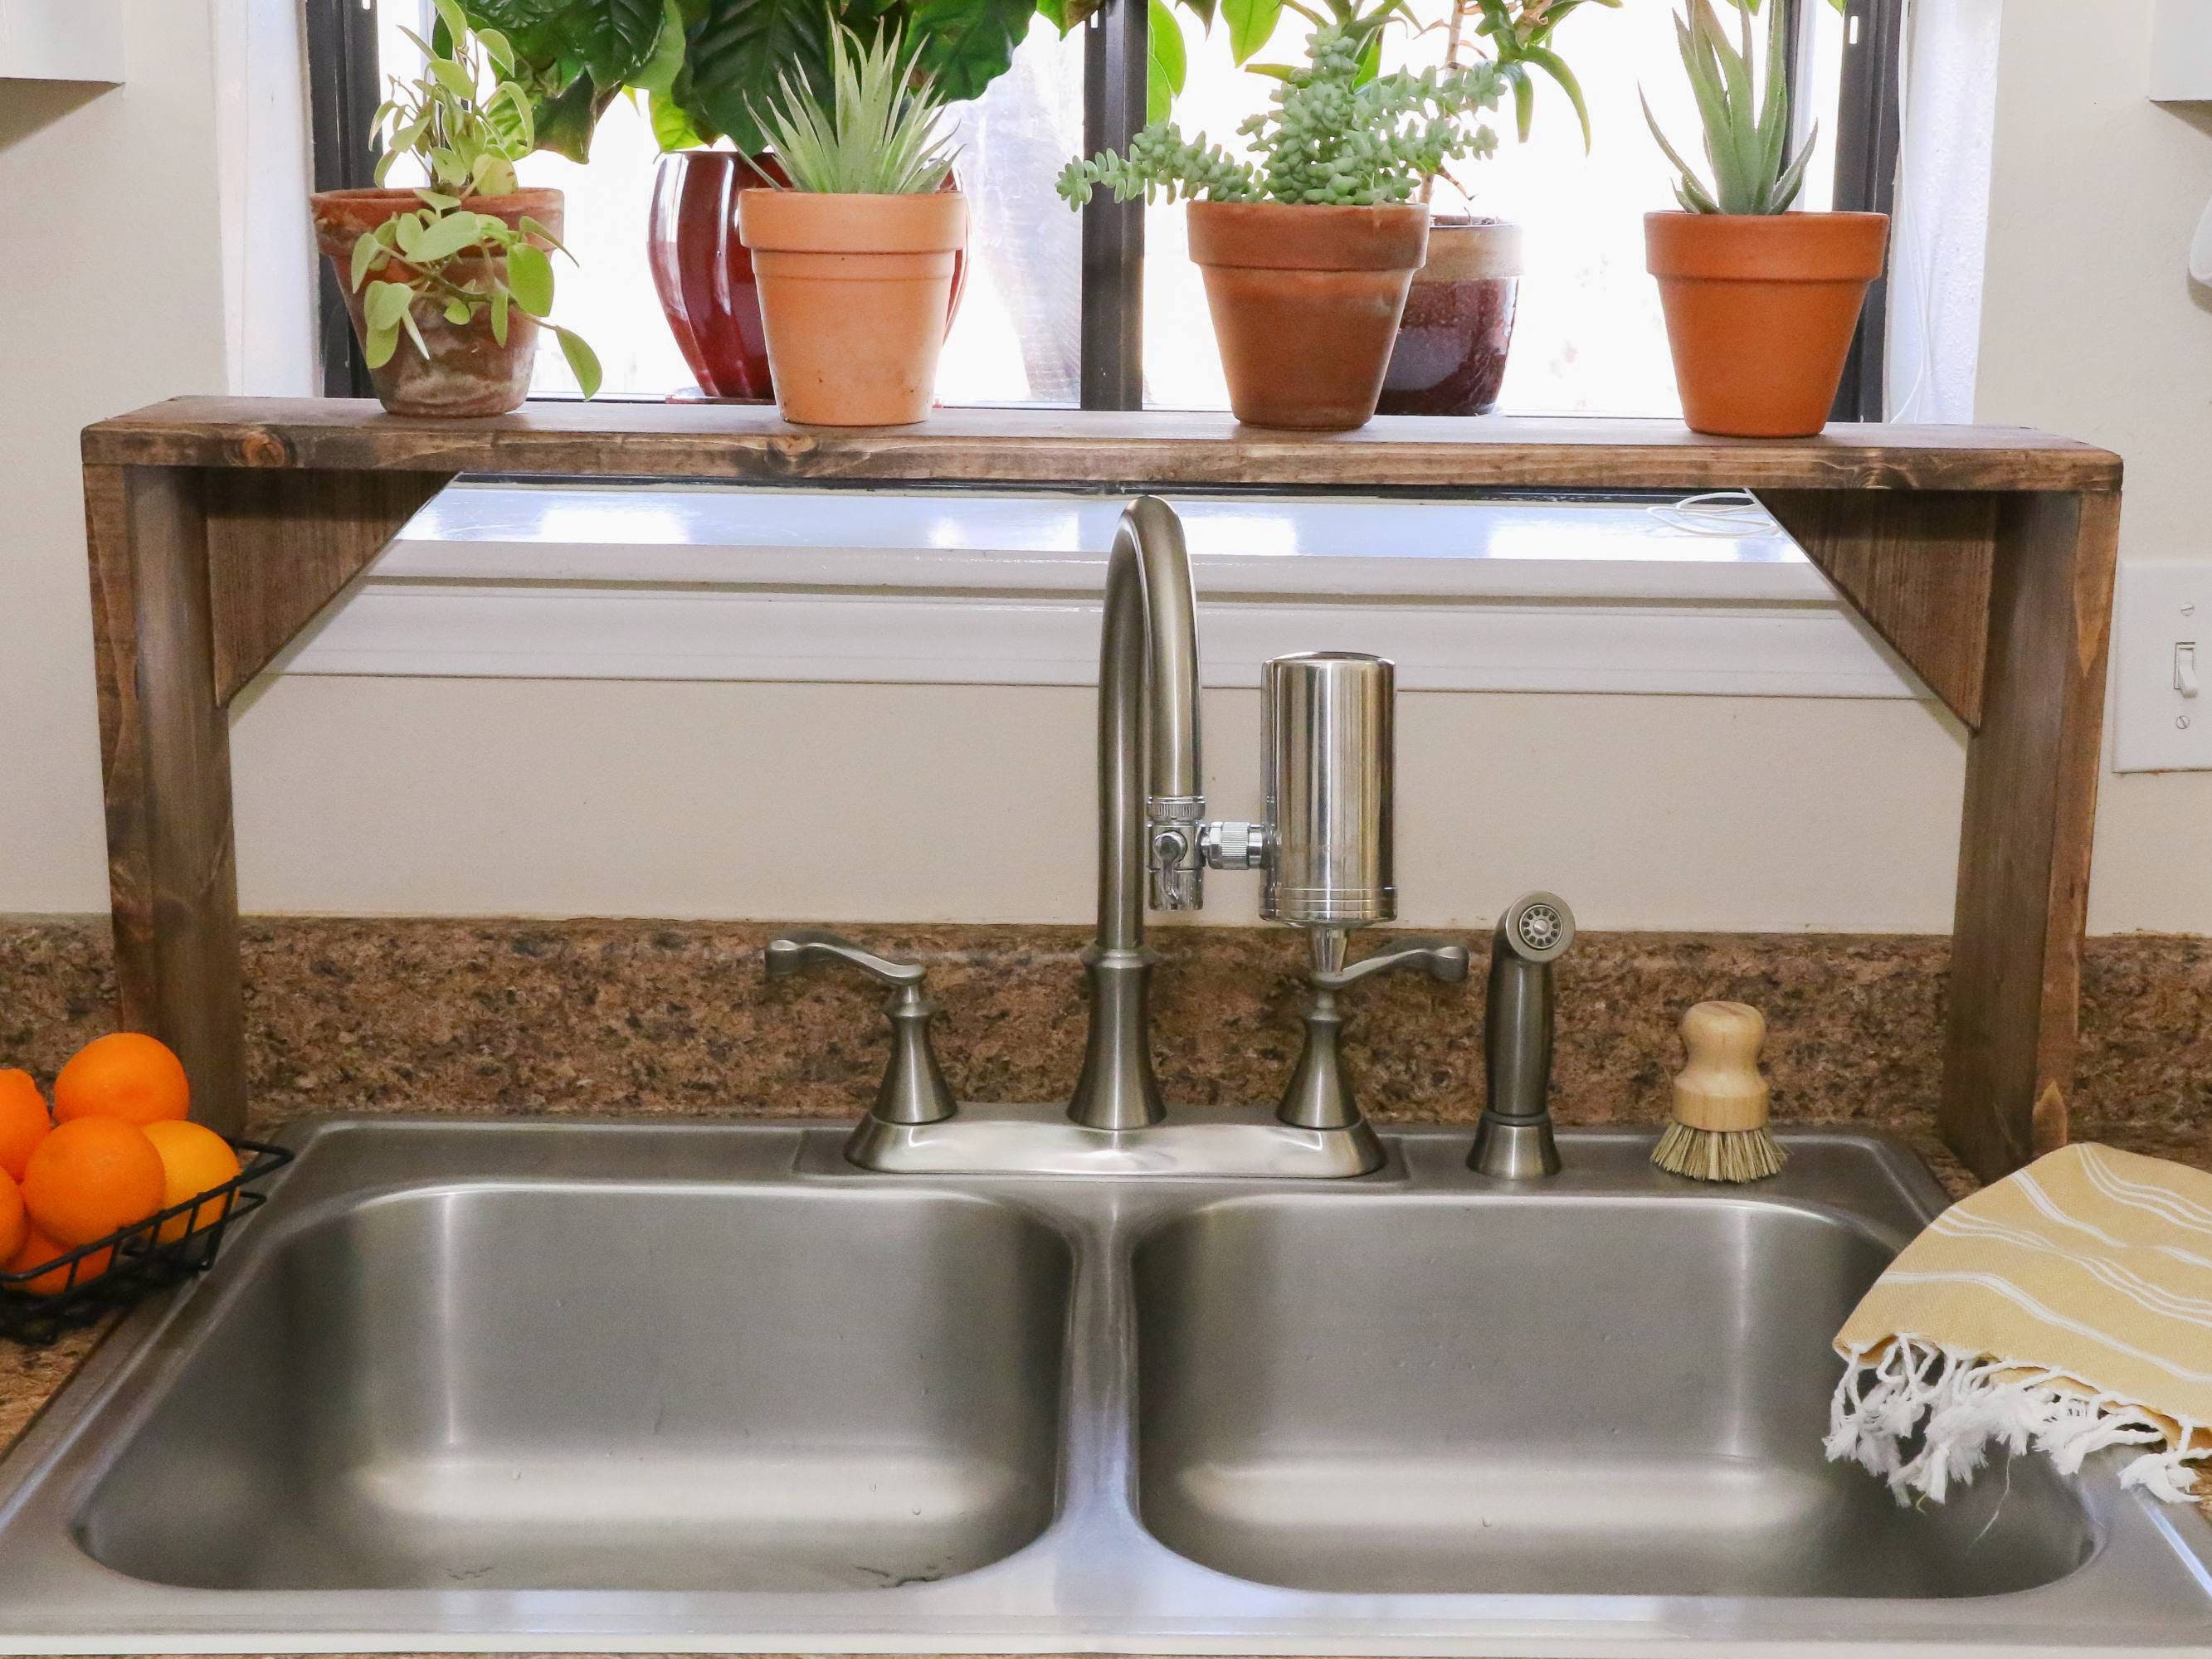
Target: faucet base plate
{"points": [[1215, 1143]]}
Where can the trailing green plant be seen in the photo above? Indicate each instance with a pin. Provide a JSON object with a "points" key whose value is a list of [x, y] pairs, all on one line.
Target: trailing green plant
{"points": [[464, 263], [1335, 134], [1746, 135], [879, 130]]}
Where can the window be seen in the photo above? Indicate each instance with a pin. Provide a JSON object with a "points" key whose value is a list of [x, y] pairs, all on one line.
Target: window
{"points": [[1039, 323]]}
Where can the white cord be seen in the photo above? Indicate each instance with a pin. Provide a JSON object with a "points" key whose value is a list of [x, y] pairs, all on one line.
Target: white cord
{"points": [[1728, 512]]}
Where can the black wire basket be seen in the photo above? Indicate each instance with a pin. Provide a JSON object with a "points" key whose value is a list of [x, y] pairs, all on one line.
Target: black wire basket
{"points": [[138, 1260]]}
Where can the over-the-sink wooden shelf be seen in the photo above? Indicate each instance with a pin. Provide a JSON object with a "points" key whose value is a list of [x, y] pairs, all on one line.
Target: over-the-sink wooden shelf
{"points": [[220, 527]]}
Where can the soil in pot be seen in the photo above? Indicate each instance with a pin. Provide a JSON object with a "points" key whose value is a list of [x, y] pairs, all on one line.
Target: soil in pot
{"points": [[467, 372], [1305, 303], [1450, 358], [855, 294], [1760, 310]]}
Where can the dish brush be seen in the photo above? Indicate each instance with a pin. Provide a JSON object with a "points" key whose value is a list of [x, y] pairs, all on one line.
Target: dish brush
{"points": [[1719, 1129]]}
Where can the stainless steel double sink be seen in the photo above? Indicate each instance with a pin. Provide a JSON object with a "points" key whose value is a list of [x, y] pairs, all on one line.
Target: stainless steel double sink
{"points": [[471, 1385]]}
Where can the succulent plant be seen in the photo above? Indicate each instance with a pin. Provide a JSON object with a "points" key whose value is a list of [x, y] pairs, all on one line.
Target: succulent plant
{"points": [[1746, 136], [1335, 134], [879, 132]]}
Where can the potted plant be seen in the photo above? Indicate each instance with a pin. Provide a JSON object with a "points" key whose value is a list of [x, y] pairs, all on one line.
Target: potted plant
{"points": [[1451, 356], [446, 282], [855, 256], [704, 69], [1307, 248], [1760, 302]]}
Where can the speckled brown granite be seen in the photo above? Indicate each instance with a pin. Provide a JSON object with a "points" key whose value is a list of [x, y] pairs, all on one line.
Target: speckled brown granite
{"points": [[649, 1018], [662, 1017]]}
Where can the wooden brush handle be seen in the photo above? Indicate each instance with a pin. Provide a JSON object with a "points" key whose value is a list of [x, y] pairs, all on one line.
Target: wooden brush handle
{"points": [[1721, 1088]]}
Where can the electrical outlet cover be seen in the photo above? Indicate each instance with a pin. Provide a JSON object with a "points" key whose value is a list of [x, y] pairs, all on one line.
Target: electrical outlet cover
{"points": [[2161, 645]]}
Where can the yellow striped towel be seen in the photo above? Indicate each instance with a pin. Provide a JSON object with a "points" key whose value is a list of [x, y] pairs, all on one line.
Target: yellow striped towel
{"points": [[2064, 1309]]}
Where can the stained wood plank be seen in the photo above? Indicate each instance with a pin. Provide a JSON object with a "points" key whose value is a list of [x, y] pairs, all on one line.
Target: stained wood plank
{"points": [[2031, 804], [165, 744], [281, 546], [1917, 566], [1154, 448]]}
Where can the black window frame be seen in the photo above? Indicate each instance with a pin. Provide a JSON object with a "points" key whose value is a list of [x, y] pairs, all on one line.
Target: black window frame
{"points": [[344, 91]]}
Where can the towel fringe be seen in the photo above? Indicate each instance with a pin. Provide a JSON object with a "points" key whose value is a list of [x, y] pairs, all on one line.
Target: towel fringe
{"points": [[1959, 1404]]}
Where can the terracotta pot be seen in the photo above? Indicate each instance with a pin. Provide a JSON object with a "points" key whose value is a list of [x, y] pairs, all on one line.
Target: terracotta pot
{"points": [[855, 294], [1450, 355], [468, 372], [1305, 303], [704, 273], [1760, 310]]}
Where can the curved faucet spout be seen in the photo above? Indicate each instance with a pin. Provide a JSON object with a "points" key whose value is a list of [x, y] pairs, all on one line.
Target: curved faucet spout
{"points": [[1150, 803]]}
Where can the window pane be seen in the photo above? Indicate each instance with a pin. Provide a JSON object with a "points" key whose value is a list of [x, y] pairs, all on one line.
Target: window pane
{"points": [[1589, 337], [1017, 336]]}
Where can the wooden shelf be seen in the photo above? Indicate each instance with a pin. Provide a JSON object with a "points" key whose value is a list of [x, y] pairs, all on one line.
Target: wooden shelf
{"points": [[747, 445], [218, 527]]}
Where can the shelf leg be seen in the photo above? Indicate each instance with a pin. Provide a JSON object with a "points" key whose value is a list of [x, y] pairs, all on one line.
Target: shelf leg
{"points": [[164, 752], [2030, 804]]}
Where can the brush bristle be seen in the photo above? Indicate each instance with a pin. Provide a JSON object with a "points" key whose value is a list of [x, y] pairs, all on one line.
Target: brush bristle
{"points": [[1730, 1155]]}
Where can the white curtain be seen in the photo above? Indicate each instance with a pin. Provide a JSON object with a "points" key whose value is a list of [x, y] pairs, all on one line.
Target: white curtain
{"points": [[1940, 223]]}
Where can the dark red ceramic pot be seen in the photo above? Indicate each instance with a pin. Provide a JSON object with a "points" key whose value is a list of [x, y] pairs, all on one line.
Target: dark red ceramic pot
{"points": [[1450, 355], [705, 276]]}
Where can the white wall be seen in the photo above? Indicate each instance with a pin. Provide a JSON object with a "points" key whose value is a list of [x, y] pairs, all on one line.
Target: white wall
{"points": [[951, 802], [110, 296], [2092, 326]]}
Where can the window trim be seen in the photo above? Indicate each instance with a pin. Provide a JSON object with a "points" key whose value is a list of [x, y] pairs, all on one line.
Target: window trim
{"points": [[343, 89]]}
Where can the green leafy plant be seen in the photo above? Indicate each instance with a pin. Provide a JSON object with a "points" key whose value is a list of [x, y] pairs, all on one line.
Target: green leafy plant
{"points": [[1746, 136], [879, 132], [1336, 133], [1520, 36], [464, 263], [706, 68]]}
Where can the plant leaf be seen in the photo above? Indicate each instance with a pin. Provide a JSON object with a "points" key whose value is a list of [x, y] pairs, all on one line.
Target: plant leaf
{"points": [[378, 344], [499, 304], [365, 250], [583, 362], [966, 45], [1555, 66], [1251, 26], [737, 53], [530, 275], [1167, 64], [383, 304], [445, 237]]}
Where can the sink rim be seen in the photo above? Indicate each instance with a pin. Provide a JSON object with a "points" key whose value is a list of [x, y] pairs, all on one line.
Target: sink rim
{"points": [[2149, 1582]]}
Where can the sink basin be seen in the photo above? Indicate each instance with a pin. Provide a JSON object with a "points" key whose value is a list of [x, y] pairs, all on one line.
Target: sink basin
{"points": [[1454, 1393], [635, 1387], [553, 1386]]}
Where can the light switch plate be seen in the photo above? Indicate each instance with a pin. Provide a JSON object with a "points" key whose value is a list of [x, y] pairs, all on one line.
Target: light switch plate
{"points": [[2162, 642]]}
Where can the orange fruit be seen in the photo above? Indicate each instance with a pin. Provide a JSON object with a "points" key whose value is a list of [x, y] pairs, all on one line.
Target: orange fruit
{"points": [[37, 1249], [13, 1224], [23, 1120], [128, 1076], [195, 1159], [90, 1176]]}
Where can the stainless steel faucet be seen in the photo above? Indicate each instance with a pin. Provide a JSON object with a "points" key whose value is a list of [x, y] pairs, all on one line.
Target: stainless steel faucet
{"points": [[1513, 1139], [1324, 848], [1151, 810]]}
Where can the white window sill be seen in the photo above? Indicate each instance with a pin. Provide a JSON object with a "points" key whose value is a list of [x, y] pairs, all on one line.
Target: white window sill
{"points": [[534, 581]]}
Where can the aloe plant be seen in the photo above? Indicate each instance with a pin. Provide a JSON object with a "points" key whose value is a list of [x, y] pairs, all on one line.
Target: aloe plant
{"points": [[1746, 135], [879, 132]]}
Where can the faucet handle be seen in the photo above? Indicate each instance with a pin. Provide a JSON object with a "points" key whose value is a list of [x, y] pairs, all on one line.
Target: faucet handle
{"points": [[913, 1089], [802, 946], [1440, 961], [1319, 1094]]}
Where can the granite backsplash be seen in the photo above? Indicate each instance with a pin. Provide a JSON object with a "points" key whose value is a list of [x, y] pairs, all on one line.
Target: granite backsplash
{"points": [[646, 1017]]}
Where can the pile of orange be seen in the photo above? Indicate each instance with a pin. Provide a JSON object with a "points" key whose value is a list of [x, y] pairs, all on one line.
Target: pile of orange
{"points": [[115, 1150]]}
